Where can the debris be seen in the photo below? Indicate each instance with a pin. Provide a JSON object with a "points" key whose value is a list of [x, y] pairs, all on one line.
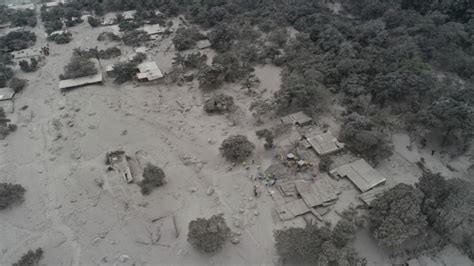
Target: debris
{"points": [[235, 240], [210, 191], [192, 189], [125, 132], [124, 258]]}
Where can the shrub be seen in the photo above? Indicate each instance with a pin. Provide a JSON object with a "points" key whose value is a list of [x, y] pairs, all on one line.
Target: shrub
{"points": [[62, 38], [17, 84], [108, 53], [219, 104], [236, 148], [79, 67], [93, 21], [29, 67], [10, 194], [208, 235], [31, 258], [153, 177], [107, 35], [268, 135], [325, 163]]}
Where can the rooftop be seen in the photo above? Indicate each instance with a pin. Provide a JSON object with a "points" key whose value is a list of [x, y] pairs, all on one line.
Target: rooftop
{"points": [[128, 15], [24, 6], [299, 119], [360, 173], [153, 29], [6, 94], [203, 44], [82, 81], [149, 71], [324, 144]]}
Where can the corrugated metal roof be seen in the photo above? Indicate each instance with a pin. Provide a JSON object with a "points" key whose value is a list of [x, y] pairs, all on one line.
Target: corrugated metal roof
{"points": [[361, 174], [82, 81], [149, 70]]}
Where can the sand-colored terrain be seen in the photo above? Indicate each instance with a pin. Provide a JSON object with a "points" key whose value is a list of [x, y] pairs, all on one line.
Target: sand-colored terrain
{"points": [[58, 155]]}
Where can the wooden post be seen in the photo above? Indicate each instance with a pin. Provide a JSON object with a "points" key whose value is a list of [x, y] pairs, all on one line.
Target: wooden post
{"points": [[175, 227]]}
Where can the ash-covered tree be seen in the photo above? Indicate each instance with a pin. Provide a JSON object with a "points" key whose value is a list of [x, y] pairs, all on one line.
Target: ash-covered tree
{"points": [[448, 204], [219, 104], [450, 114], [236, 148], [222, 36], [315, 245], [135, 38], [79, 67], [186, 38], [366, 138], [17, 40], [124, 71], [396, 215], [31, 258], [211, 77], [62, 38], [153, 177], [10, 194], [17, 84], [29, 67], [234, 69], [208, 235]]}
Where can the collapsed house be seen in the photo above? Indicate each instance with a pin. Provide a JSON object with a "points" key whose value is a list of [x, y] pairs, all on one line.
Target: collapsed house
{"points": [[148, 71], [27, 54], [129, 167], [360, 173], [323, 144], [296, 198], [299, 119], [117, 160]]}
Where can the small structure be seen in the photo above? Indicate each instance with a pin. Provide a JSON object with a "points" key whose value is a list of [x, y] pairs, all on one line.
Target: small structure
{"points": [[48, 5], [324, 144], [68, 84], [141, 49], [153, 30], [203, 44], [6, 94], [26, 54], [117, 160], [128, 15], [22, 7], [58, 32], [148, 71], [299, 119], [109, 69], [360, 173]]}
